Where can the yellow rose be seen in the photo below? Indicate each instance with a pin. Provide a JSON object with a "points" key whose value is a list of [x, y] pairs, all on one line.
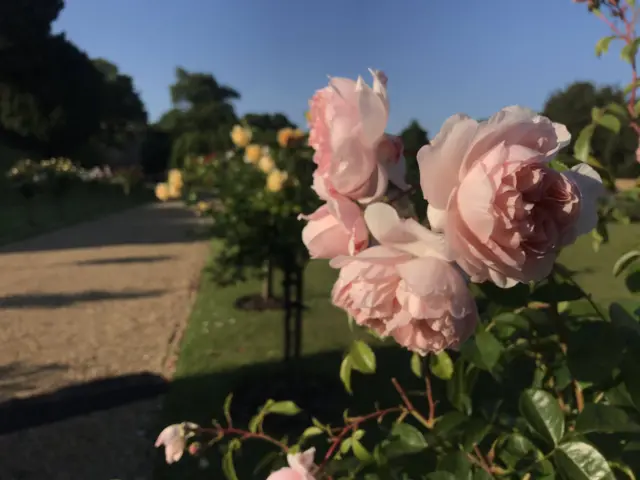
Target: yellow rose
{"points": [[266, 164], [202, 206], [162, 192], [175, 178], [240, 136], [276, 180], [297, 133], [284, 136], [175, 191], [252, 153]]}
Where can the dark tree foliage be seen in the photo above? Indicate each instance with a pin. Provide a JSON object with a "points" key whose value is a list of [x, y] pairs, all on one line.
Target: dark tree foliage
{"points": [[155, 151], [266, 126], [202, 115], [49, 96], [24, 22], [572, 107], [414, 137]]}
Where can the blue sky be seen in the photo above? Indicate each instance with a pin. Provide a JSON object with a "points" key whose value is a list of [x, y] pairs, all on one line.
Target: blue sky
{"points": [[441, 57]]}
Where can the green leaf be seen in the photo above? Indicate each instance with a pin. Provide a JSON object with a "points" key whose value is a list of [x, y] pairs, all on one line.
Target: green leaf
{"points": [[456, 463], [514, 319], [628, 52], [311, 432], [625, 317], [514, 449], [362, 357], [458, 388], [557, 165], [345, 373], [631, 86], [604, 419], [481, 474], [227, 407], [474, 432], [441, 476], [624, 261], [610, 122], [286, 407], [483, 350], [441, 365], [596, 113], [416, 365], [543, 413], [603, 45], [360, 452], [630, 376], [617, 109], [581, 461], [593, 361], [582, 147], [228, 467], [412, 439]]}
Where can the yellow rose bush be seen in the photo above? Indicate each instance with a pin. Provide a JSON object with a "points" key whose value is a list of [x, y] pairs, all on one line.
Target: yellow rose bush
{"points": [[259, 188]]}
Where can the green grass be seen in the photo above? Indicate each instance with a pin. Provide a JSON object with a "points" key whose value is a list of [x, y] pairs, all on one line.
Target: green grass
{"points": [[225, 349], [20, 219]]}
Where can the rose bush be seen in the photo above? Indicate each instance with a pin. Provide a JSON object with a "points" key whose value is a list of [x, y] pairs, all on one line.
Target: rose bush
{"points": [[523, 374]]}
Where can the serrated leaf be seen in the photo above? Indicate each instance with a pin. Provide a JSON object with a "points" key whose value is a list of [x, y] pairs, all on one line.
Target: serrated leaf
{"points": [[345, 373], [582, 147], [604, 419], [286, 407], [624, 261], [412, 439], [441, 366], [602, 46], [416, 365], [610, 122], [581, 461], [543, 413], [362, 357]]}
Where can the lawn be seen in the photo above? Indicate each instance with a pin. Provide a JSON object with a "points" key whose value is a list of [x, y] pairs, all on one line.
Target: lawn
{"points": [[224, 348], [82, 203]]}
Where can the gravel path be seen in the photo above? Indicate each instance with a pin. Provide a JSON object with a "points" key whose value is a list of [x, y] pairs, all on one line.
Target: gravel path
{"points": [[101, 299]]}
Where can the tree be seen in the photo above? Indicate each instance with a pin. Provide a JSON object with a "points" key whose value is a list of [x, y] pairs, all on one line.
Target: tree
{"points": [[572, 107], [27, 21], [201, 117], [122, 111]]}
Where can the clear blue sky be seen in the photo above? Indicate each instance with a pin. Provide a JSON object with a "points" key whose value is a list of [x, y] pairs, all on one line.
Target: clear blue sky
{"points": [[441, 57]]}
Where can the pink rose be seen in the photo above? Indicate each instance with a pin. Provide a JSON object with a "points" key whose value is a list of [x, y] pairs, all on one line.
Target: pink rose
{"points": [[300, 467], [347, 125], [406, 287], [336, 228], [504, 211]]}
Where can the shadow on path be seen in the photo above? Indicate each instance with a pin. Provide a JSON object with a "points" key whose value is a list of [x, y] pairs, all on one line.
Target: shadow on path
{"points": [[80, 399], [150, 224], [19, 377], [57, 300], [125, 260]]}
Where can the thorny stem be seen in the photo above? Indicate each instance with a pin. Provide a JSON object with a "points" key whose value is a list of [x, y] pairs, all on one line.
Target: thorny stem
{"points": [[243, 434]]}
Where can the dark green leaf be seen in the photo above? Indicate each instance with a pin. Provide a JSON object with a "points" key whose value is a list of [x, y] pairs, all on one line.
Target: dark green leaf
{"points": [[450, 422], [227, 407], [441, 476], [458, 388], [345, 373], [412, 439], [630, 376], [543, 413], [593, 361], [632, 281], [514, 319], [516, 296], [581, 461], [617, 109], [416, 365], [582, 147], [362, 357], [441, 365], [456, 463], [610, 122], [515, 449], [605, 419], [628, 52], [483, 350], [474, 432], [625, 317], [481, 474]]}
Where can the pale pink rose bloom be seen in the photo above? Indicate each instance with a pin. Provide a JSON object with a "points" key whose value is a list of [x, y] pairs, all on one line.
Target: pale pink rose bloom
{"points": [[300, 467], [406, 287], [336, 228], [505, 212], [347, 125], [172, 437]]}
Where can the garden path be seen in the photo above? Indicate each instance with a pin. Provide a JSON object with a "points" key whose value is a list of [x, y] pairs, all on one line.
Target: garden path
{"points": [[101, 299]]}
